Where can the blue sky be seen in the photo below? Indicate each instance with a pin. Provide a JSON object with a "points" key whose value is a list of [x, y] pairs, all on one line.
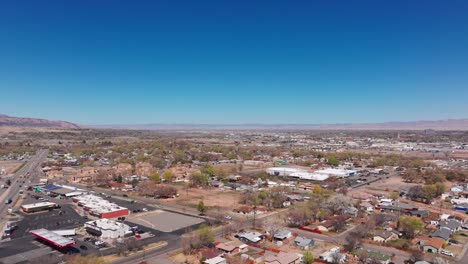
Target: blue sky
{"points": [[234, 62]]}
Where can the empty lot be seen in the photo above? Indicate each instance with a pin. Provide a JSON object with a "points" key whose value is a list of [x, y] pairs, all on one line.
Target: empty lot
{"points": [[166, 221]]}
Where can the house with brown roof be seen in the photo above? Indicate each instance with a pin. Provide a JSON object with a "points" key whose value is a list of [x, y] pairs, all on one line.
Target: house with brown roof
{"points": [[326, 226], [283, 258], [210, 253], [385, 236], [232, 247], [431, 244]]}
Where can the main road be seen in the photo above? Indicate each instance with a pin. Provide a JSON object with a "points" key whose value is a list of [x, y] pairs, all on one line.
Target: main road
{"points": [[23, 174]]}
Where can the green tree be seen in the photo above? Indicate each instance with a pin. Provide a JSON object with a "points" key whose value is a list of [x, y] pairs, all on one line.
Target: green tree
{"points": [[231, 156], [208, 170], [168, 175], [262, 195], [409, 226], [155, 177], [430, 191], [201, 207], [205, 235], [394, 195], [119, 179], [333, 161], [308, 257], [199, 179], [134, 183], [440, 188]]}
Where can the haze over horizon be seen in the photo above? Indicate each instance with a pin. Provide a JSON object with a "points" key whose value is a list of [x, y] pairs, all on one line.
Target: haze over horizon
{"points": [[211, 62]]}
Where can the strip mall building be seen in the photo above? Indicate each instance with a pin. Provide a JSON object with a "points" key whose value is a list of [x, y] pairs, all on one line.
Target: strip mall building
{"points": [[99, 207]]}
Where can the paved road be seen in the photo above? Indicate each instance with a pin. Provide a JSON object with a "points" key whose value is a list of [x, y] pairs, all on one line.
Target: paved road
{"points": [[23, 174]]}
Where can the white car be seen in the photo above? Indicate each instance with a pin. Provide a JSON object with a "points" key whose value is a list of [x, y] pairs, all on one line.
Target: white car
{"points": [[446, 252], [144, 210], [99, 243], [228, 217]]}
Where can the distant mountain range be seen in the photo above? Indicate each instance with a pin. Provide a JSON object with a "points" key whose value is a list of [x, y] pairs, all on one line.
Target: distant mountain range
{"points": [[34, 122], [449, 124]]}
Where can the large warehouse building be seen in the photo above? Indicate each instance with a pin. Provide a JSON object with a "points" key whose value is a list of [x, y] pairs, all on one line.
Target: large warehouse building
{"points": [[336, 172], [283, 171]]}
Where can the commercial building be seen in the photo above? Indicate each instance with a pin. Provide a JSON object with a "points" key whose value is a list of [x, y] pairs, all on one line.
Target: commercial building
{"points": [[107, 228], [309, 176], [283, 171], [62, 190], [52, 238], [36, 207], [99, 207], [330, 172]]}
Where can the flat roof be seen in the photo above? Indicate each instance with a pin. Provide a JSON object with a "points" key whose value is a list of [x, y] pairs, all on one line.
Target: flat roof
{"points": [[36, 205], [52, 237]]}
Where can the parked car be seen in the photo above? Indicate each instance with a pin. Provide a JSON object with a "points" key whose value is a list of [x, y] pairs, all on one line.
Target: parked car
{"points": [[99, 244], [228, 217], [447, 253]]}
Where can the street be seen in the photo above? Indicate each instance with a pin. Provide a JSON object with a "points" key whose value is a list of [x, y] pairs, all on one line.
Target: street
{"points": [[23, 174]]}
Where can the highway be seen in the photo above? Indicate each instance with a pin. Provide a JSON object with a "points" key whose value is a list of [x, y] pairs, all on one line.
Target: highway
{"points": [[24, 174]]}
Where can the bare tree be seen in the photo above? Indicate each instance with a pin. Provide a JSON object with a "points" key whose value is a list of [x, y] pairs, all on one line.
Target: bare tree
{"points": [[336, 204], [336, 258]]}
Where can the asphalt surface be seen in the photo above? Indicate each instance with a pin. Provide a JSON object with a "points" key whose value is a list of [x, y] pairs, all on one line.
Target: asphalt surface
{"points": [[57, 219], [23, 174]]}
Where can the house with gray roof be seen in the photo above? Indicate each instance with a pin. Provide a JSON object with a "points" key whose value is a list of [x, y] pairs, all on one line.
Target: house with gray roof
{"points": [[452, 225], [441, 233], [303, 242]]}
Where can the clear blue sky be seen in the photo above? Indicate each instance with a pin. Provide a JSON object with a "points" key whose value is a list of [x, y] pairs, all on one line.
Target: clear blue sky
{"points": [[134, 62]]}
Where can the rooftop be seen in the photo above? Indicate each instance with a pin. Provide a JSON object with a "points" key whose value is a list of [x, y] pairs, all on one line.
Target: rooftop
{"points": [[52, 237]]}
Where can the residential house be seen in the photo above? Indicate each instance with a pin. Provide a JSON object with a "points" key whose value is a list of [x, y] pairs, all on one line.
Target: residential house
{"points": [[303, 243], [457, 189], [367, 206], [326, 226], [374, 255], [441, 233], [283, 258], [385, 236], [250, 237], [210, 253], [215, 260], [282, 235], [353, 211], [295, 197], [332, 255], [419, 213], [232, 247], [431, 244], [452, 225]]}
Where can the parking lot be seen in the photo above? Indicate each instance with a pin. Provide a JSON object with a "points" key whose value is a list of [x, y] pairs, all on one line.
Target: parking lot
{"points": [[133, 207], [57, 219], [166, 221]]}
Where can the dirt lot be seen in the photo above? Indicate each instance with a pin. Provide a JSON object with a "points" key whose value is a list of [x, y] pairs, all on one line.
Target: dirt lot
{"points": [[7, 167], [225, 200]]}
